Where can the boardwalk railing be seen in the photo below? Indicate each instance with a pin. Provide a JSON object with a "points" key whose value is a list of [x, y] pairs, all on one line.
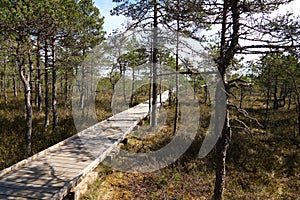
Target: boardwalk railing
{"points": [[54, 172]]}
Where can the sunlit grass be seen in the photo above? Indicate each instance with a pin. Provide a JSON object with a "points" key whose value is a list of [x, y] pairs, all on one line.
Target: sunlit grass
{"points": [[262, 166]]}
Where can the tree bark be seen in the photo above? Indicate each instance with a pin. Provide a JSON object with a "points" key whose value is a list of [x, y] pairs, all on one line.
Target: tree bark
{"points": [[83, 89], [38, 69], [66, 88], [221, 153], [227, 53], [275, 103], [132, 85], [25, 78], [268, 93], [46, 124], [4, 80], [15, 85], [54, 90], [123, 84], [154, 70], [30, 70], [176, 75]]}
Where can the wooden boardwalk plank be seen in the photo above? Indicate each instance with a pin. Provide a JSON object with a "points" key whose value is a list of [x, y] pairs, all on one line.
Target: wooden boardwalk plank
{"points": [[22, 186], [51, 173], [26, 193], [11, 197], [35, 181]]}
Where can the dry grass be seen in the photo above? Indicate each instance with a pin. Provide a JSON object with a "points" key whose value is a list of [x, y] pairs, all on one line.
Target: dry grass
{"points": [[262, 166], [12, 125]]}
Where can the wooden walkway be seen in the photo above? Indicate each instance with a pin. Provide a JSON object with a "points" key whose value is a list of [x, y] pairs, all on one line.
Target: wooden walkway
{"points": [[52, 173]]}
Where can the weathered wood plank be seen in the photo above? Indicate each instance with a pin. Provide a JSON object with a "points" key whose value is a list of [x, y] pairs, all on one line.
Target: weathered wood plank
{"points": [[11, 197], [25, 193], [75, 166], [21, 186], [50, 168], [42, 175], [36, 181], [52, 173], [62, 160]]}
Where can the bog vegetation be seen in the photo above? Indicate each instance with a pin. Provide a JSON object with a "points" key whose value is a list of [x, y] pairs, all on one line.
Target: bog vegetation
{"points": [[43, 45]]}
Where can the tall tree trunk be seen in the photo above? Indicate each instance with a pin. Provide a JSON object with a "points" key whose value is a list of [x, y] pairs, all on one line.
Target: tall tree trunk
{"points": [[15, 85], [30, 70], [54, 90], [123, 84], [83, 89], [1, 81], [132, 86], [160, 87], [297, 92], [4, 80], [177, 69], [154, 70], [66, 88], [151, 78], [275, 103], [221, 152], [227, 53], [46, 124], [38, 69], [194, 84], [268, 93], [25, 78]]}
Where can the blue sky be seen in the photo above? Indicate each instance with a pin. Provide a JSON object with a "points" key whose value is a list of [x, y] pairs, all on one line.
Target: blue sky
{"points": [[110, 22]]}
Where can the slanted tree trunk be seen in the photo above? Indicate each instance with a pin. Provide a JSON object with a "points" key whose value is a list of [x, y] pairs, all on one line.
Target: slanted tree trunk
{"points": [[54, 90]]}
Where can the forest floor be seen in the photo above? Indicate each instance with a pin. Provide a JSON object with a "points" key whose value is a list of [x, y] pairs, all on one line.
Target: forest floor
{"points": [[261, 165]]}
